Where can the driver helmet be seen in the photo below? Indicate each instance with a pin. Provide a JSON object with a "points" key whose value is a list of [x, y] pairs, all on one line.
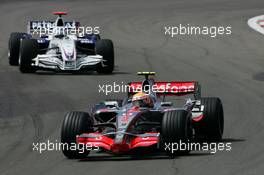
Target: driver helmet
{"points": [[142, 99]]}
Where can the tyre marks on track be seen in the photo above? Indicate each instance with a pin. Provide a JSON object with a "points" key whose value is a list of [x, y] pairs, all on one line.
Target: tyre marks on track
{"points": [[147, 59], [3, 61], [38, 127], [21, 132], [14, 128]]}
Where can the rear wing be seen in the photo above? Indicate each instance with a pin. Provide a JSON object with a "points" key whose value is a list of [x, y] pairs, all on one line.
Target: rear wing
{"points": [[174, 88], [46, 27]]}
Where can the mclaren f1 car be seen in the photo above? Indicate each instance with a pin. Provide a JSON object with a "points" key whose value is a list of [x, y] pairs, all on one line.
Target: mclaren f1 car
{"points": [[146, 120]]}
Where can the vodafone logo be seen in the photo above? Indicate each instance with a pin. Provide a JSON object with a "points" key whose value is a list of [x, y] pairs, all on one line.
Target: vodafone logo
{"points": [[165, 87], [174, 88]]}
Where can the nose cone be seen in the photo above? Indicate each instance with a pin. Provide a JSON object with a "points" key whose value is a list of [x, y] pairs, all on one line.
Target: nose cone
{"points": [[69, 51]]}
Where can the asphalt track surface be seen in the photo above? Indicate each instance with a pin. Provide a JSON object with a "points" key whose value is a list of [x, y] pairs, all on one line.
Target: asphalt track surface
{"points": [[32, 106]]}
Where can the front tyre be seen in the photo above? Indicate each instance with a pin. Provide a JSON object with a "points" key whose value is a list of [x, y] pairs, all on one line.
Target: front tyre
{"points": [[105, 48], [14, 47], [176, 130], [29, 49], [211, 127], [74, 123]]}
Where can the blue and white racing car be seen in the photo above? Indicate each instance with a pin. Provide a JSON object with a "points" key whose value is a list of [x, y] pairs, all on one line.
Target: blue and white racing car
{"points": [[60, 49]]}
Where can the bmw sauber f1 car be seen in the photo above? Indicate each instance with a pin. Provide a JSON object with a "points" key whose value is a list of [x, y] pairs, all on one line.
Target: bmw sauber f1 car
{"points": [[59, 48], [145, 120]]}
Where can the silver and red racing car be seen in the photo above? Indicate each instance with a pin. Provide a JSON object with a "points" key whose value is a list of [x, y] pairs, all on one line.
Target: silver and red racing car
{"points": [[145, 120]]}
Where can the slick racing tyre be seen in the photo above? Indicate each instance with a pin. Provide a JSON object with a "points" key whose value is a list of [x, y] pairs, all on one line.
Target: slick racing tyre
{"points": [[211, 127], [105, 48], [75, 123], [13, 48], [176, 130], [29, 49]]}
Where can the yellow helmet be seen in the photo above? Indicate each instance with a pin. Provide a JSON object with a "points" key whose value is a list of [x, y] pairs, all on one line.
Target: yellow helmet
{"points": [[142, 99]]}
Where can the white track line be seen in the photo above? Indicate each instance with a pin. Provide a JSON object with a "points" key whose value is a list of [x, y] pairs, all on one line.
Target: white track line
{"points": [[257, 23]]}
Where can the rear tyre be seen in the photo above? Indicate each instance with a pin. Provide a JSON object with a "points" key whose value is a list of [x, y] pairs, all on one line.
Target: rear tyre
{"points": [[29, 49], [211, 127], [75, 123], [105, 48], [14, 47], [176, 130]]}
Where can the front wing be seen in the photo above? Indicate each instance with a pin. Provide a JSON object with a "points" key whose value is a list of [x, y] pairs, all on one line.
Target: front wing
{"points": [[52, 61], [104, 141]]}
